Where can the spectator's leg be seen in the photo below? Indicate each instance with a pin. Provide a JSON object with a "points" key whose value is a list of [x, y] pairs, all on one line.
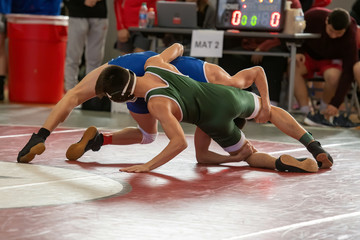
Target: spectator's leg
{"points": [[95, 43], [331, 77], [77, 30], [300, 91], [357, 73]]}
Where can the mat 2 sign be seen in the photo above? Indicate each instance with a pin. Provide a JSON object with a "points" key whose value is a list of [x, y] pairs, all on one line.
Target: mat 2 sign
{"points": [[207, 43]]}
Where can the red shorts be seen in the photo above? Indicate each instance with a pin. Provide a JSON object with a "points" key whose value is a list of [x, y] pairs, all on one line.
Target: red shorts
{"points": [[318, 67]]}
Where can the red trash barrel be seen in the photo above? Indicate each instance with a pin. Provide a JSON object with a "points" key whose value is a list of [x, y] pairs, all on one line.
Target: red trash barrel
{"points": [[37, 49]]}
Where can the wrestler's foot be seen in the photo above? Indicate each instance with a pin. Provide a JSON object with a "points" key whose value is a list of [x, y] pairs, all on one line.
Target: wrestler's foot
{"points": [[91, 139], [35, 146], [287, 163], [322, 157]]}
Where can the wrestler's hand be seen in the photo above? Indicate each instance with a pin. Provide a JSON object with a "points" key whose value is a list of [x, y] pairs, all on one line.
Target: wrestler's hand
{"points": [[263, 116], [35, 146], [136, 169], [246, 151], [253, 149]]}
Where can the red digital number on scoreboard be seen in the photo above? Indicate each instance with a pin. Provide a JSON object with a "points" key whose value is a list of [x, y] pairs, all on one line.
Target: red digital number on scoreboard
{"points": [[275, 19], [237, 19]]}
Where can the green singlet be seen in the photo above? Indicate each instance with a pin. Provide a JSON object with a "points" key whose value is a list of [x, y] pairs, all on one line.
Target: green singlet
{"points": [[211, 107]]}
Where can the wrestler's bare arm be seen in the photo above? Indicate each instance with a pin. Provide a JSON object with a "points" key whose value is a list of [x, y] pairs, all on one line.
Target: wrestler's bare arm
{"points": [[82, 92], [166, 56], [243, 79], [261, 83], [163, 109]]}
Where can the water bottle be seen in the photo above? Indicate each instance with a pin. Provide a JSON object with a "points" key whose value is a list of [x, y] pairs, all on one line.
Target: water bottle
{"points": [[151, 17], [143, 15]]}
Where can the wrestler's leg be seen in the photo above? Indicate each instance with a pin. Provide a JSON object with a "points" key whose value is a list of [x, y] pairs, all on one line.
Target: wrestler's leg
{"points": [[253, 158], [133, 135], [261, 160], [283, 163], [288, 125], [204, 155], [93, 140]]}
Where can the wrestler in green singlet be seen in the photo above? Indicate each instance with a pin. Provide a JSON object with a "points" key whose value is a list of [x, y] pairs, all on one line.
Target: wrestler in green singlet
{"points": [[200, 105]]}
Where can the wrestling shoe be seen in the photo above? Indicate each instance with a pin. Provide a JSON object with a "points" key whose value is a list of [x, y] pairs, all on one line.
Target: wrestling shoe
{"points": [[35, 146], [287, 163], [240, 122], [323, 158], [317, 119], [91, 139]]}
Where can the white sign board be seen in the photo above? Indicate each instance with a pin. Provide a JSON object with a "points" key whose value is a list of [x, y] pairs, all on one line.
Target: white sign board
{"points": [[207, 43]]}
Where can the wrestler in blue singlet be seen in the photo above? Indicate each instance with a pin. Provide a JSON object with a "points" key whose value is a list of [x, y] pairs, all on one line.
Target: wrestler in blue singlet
{"points": [[190, 66]]}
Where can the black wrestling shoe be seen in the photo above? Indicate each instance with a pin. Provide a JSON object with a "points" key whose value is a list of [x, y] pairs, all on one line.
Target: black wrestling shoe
{"points": [[91, 139], [240, 122], [35, 146], [322, 157], [287, 163]]}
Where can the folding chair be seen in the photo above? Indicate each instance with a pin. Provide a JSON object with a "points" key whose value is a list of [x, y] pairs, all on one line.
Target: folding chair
{"points": [[352, 100], [315, 87]]}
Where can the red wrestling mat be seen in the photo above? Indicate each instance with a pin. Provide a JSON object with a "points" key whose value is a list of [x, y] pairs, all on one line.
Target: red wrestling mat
{"points": [[90, 199]]}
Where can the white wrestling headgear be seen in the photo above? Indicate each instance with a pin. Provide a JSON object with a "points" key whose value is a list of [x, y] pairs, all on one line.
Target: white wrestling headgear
{"points": [[117, 83]]}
